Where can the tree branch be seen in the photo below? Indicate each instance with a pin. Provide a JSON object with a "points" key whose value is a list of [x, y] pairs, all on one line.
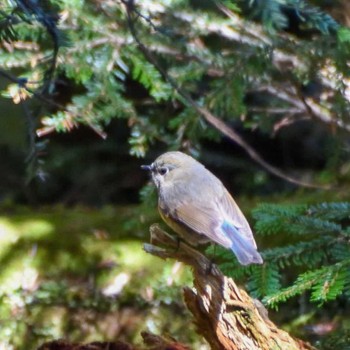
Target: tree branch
{"points": [[224, 313], [251, 34], [216, 122]]}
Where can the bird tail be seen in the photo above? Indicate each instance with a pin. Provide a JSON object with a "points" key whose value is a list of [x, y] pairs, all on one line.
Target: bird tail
{"points": [[242, 247]]}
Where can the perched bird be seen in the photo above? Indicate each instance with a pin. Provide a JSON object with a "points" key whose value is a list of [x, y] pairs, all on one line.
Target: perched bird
{"points": [[197, 206]]}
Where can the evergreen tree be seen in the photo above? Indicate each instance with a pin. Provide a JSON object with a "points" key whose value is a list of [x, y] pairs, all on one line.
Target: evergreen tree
{"points": [[319, 251]]}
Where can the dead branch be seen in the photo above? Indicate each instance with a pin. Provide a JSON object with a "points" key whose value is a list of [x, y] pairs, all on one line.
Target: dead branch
{"points": [[226, 316]]}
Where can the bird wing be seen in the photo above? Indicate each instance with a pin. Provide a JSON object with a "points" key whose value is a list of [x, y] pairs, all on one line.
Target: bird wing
{"points": [[233, 214], [222, 222], [207, 209], [201, 219]]}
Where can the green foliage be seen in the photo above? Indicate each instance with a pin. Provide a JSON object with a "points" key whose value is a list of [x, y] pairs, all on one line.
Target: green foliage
{"points": [[67, 270], [339, 340], [150, 78], [224, 64], [264, 280], [344, 35], [331, 211], [276, 14], [228, 100], [319, 253], [325, 284]]}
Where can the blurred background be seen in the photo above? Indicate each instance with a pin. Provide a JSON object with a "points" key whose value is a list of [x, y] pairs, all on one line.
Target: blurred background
{"points": [[84, 104]]}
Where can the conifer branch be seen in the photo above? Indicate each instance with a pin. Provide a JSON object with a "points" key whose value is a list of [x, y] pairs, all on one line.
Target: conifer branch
{"points": [[217, 123]]}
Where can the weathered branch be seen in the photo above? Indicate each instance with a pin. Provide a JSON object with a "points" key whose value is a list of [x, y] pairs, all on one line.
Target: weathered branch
{"points": [[224, 313]]}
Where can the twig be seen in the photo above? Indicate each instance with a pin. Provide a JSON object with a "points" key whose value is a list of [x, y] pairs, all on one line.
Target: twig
{"points": [[207, 115], [23, 84], [242, 32]]}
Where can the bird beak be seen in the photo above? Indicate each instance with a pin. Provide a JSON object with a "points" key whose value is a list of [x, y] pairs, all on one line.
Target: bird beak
{"points": [[146, 167]]}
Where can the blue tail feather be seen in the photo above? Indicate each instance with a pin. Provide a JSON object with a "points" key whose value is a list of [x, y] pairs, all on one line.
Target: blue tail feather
{"points": [[242, 247]]}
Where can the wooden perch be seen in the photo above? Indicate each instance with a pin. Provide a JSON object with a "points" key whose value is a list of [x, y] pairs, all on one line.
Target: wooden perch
{"points": [[225, 314]]}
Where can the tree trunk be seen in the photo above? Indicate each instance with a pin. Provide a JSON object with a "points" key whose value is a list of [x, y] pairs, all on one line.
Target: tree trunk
{"points": [[224, 314]]}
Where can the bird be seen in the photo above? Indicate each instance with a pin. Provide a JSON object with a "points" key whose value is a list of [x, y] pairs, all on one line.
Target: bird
{"points": [[194, 203]]}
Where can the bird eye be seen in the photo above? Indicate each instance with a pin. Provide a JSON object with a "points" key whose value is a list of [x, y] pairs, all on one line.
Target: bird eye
{"points": [[163, 170]]}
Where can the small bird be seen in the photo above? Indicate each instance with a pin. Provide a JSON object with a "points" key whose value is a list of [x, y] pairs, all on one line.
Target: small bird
{"points": [[197, 206]]}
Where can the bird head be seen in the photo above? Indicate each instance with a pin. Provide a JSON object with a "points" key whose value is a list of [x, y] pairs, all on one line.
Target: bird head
{"points": [[169, 167]]}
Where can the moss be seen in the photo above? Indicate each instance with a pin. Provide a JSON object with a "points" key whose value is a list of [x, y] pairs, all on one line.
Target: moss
{"points": [[74, 272]]}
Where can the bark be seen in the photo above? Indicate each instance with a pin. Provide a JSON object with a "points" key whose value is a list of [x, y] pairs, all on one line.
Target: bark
{"points": [[226, 316]]}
